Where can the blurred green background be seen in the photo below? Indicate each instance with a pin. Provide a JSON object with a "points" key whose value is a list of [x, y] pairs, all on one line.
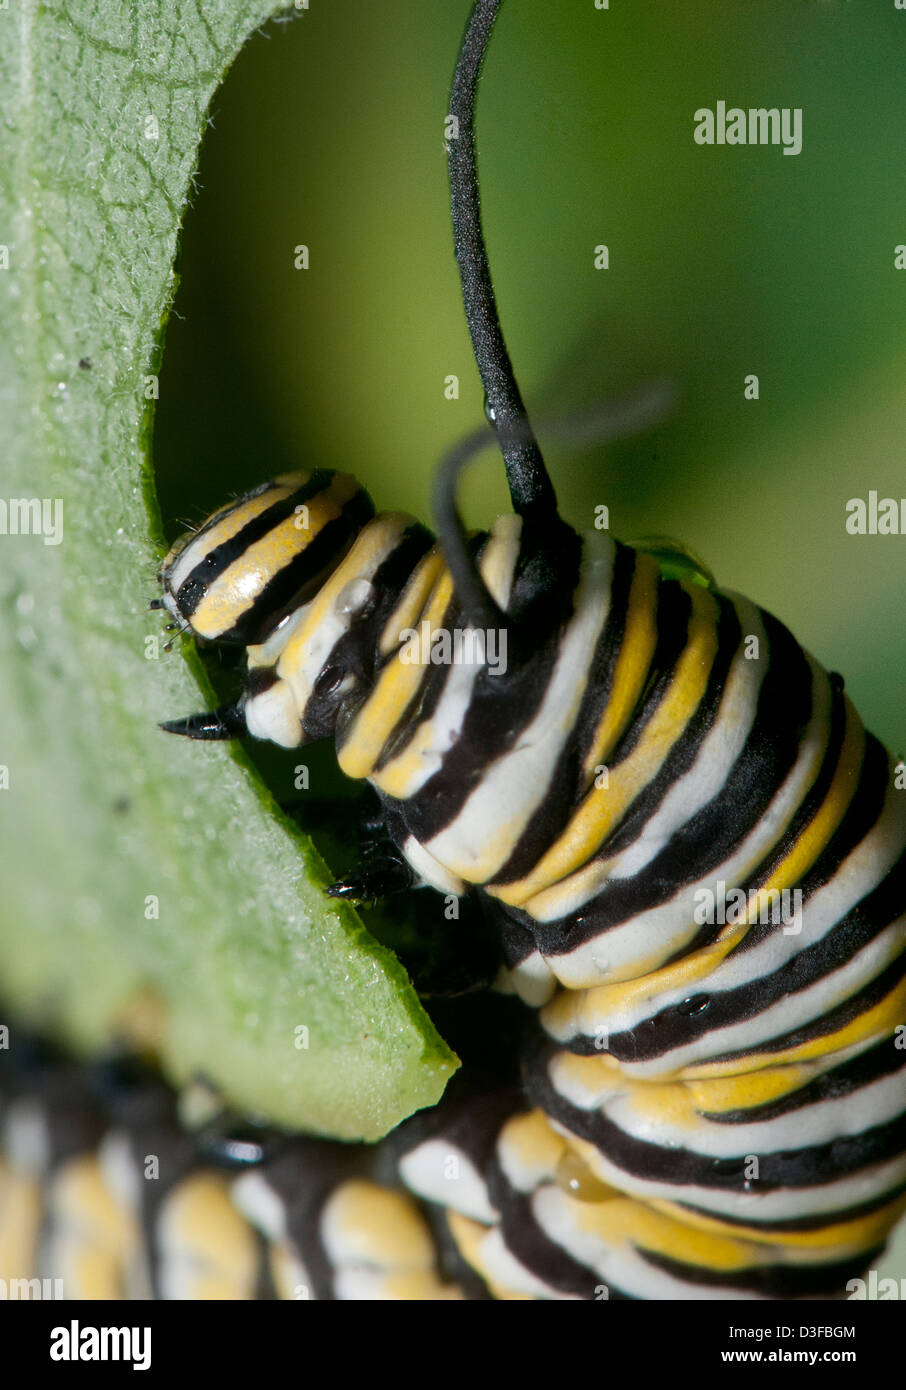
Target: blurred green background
{"points": [[329, 132]]}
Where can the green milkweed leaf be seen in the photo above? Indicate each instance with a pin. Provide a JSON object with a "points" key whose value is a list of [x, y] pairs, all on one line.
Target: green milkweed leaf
{"points": [[146, 883]]}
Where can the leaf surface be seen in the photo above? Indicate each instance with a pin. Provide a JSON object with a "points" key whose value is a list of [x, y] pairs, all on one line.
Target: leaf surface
{"points": [[149, 886]]}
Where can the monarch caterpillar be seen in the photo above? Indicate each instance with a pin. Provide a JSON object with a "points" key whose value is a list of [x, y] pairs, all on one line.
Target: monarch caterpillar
{"points": [[629, 1228], [710, 1064]]}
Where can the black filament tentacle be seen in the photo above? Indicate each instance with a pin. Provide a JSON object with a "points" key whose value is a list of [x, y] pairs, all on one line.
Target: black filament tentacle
{"points": [[531, 490]]}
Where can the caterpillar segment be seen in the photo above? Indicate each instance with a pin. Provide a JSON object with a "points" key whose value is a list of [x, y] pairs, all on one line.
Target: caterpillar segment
{"points": [[690, 851], [481, 1198], [686, 850], [109, 1196]]}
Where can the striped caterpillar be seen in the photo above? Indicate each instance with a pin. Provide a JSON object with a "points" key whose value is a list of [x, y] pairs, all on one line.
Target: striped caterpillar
{"points": [[711, 1100], [739, 1072]]}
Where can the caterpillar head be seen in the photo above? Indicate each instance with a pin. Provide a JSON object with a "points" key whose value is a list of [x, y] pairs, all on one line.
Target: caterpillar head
{"points": [[263, 555]]}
